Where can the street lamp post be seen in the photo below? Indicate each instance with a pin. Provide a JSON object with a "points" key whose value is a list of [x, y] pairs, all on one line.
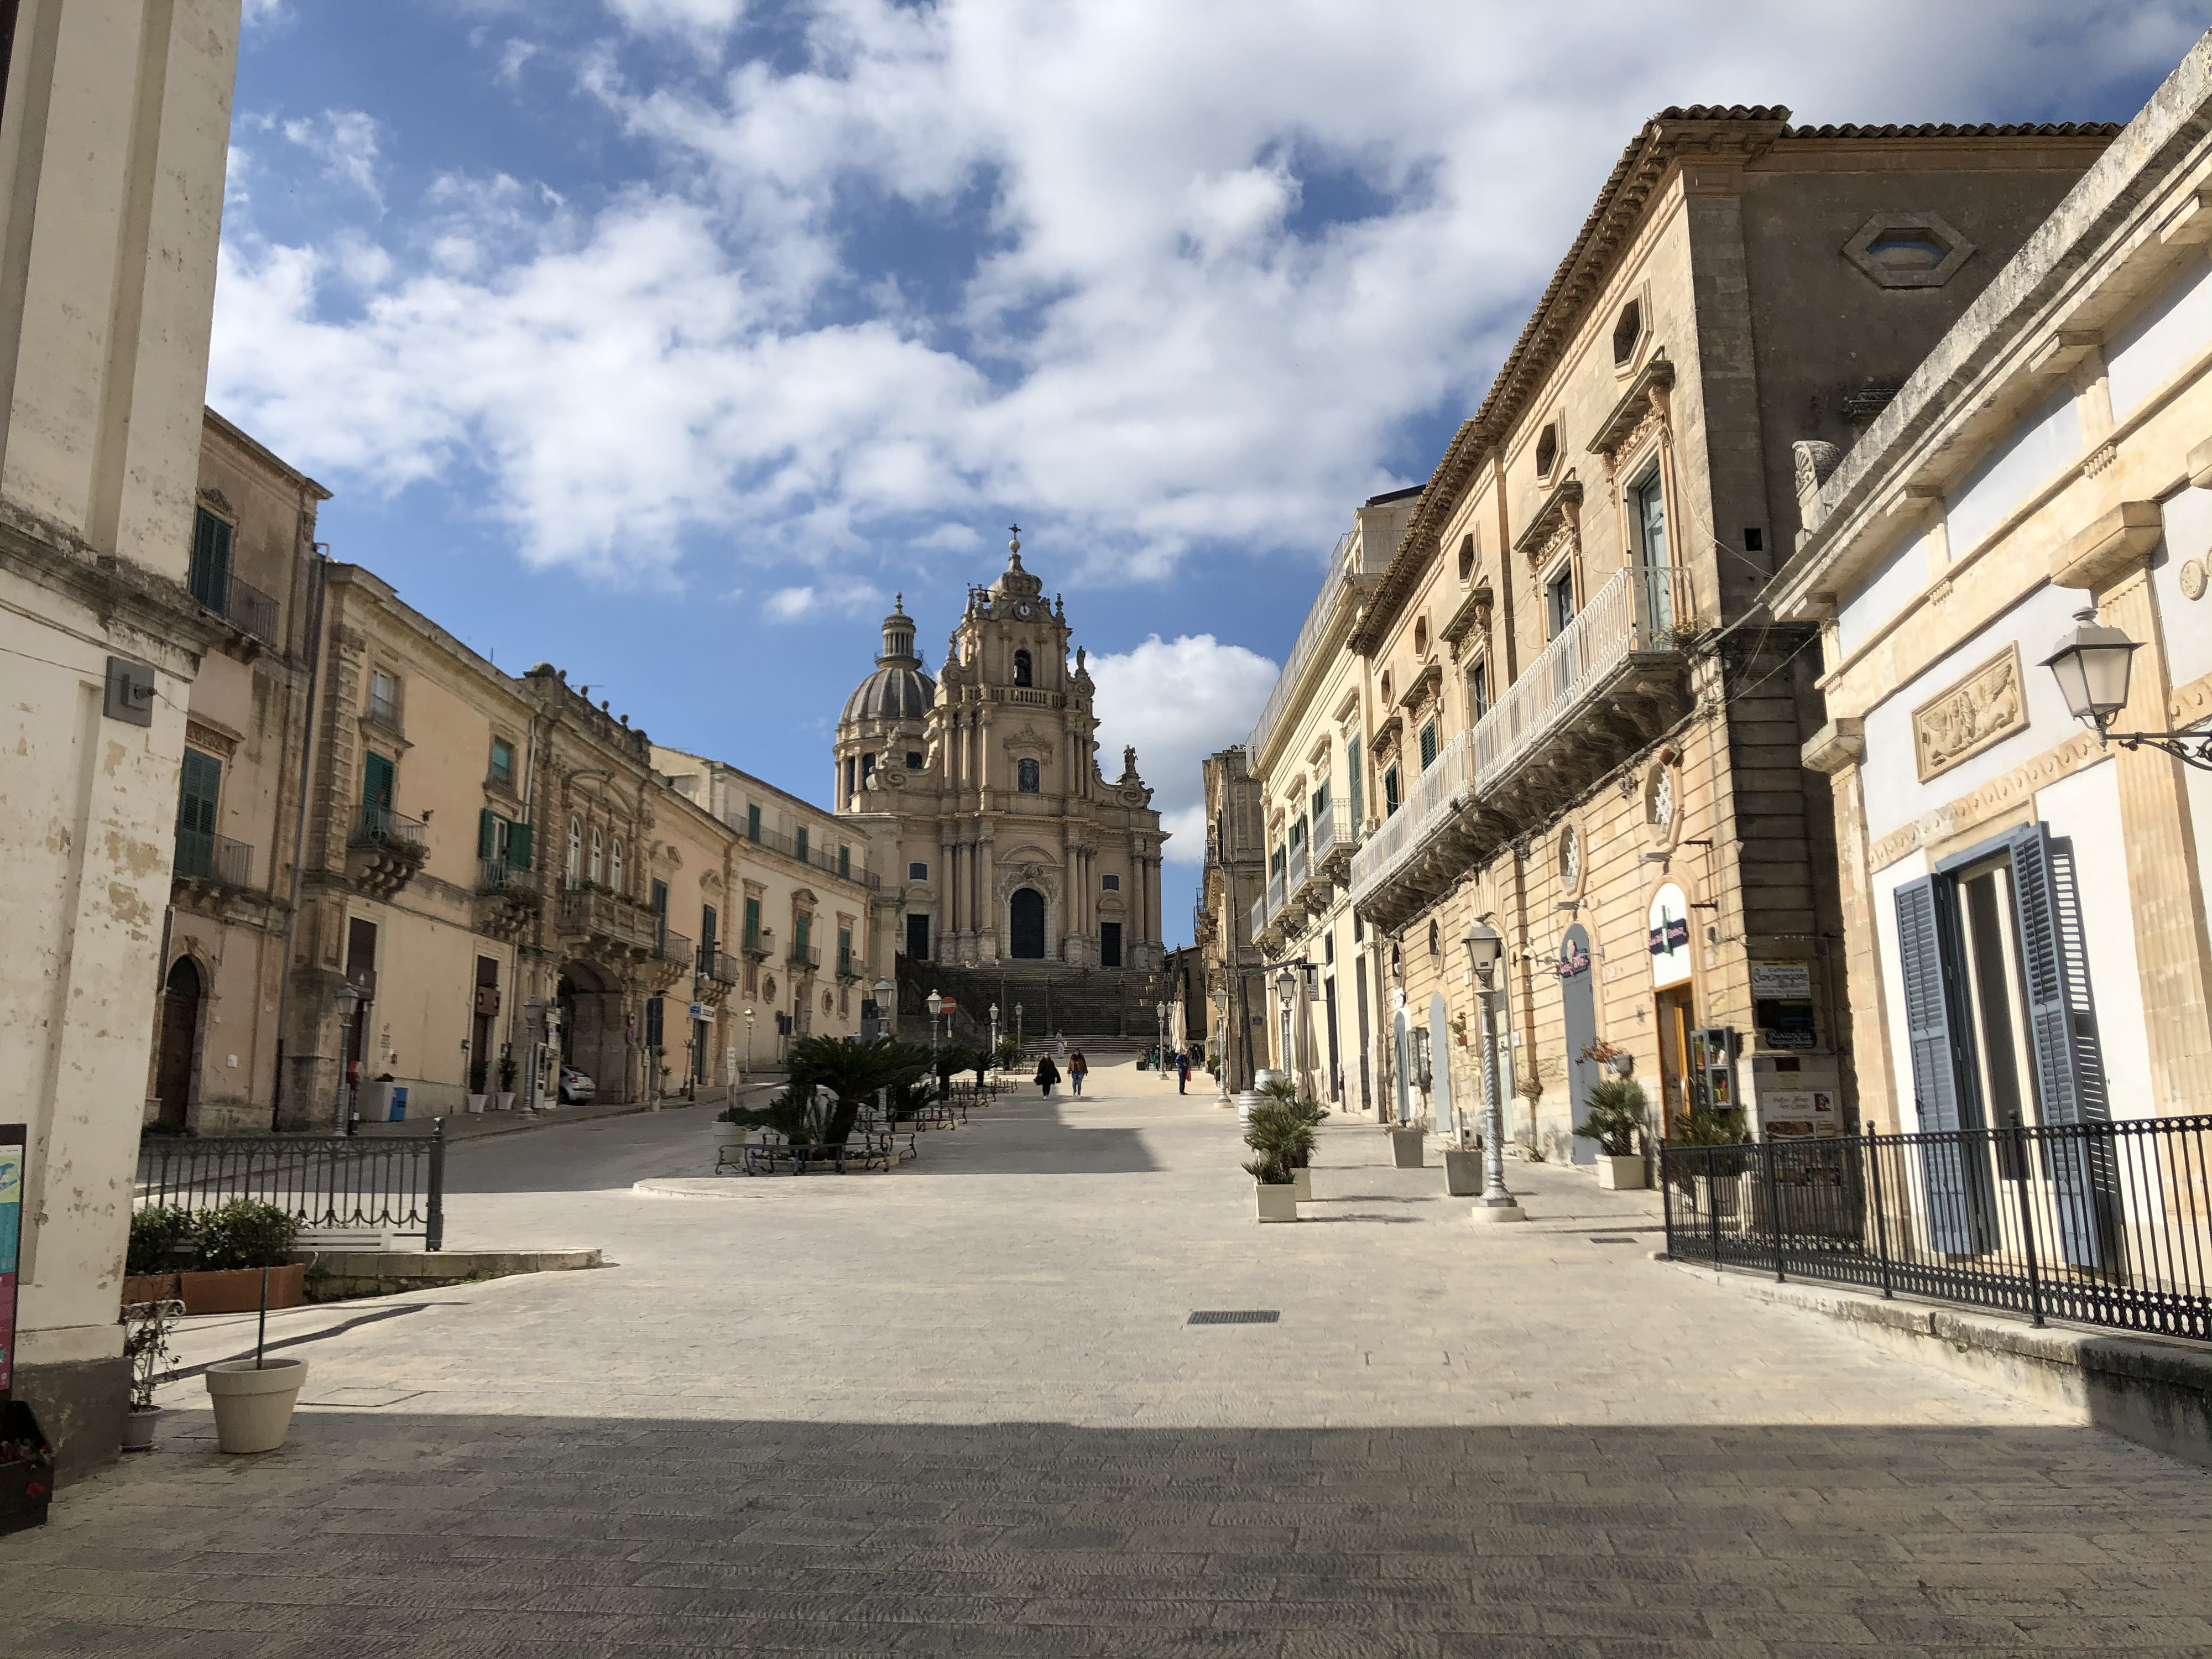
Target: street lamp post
{"points": [[1160, 1024], [936, 1004], [1484, 946], [885, 1026], [1221, 1043], [1286, 990], [748, 1072], [349, 999], [1018, 1025], [994, 1036]]}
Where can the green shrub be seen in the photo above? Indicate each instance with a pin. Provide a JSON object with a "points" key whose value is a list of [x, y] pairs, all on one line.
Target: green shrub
{"points": [[154, 1235], [245, 1233], [1283, 1135], [1724, 1128], [1616, 1109]]}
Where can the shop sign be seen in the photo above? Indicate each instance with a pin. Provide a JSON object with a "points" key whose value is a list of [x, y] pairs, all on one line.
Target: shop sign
{"points": [[1574, 958], [1798, 1115], [13, 1139], [1671, 938], [1781, 1005]]}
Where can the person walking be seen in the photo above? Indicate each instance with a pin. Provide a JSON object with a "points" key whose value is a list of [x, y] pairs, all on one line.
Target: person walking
{"points": [[1078, 1069], [1047, 1075], [1182, 1071]]}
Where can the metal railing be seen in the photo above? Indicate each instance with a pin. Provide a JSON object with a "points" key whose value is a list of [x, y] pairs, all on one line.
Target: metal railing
{"points": [[1295, 872], [760, 942], [1276, 893], [816, 857], [2099, 1223], [804, 956], [380, 826], [1310, 631], [668, 944], [252, 611], [396, 1186], [1429, 803], [718, 965], [498, 873], [1642, 608], [204, 857]]}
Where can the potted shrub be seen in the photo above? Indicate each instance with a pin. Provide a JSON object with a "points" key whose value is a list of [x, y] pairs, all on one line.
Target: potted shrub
{"points": [[1283, 1135], [160, 1239], [1310, 1110], [146, 1349], [236, 1242], [1716, 1175], [479, 1075], [507, 1071], [1615, 1109]]}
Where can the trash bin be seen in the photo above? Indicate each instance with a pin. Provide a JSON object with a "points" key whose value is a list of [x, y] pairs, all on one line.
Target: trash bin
{"points": [[384, 1103]]}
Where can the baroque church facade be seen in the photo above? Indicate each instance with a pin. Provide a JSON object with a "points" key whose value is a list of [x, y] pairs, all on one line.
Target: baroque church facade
{"points": [[1001, 843]]}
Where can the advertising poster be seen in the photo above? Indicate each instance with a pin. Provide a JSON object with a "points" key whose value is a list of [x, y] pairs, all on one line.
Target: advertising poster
{"points": [[12, 1138], [1671, 938], [1798, 1115], [1781, 1005]]}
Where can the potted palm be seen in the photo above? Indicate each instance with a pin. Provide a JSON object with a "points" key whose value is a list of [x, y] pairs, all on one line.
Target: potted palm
{"points": [[1614, 1109], [1284, 1138], [479, 1071], [1282, 1090], [1717, 1174], [507, 1071]]}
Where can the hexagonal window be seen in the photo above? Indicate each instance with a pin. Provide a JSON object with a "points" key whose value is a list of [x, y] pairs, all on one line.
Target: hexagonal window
{"points": [[1908, 250], [1547, 451]]}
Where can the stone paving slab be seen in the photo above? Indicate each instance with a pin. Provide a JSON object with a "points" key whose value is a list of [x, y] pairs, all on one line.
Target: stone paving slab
{"points": [[956, 1409]]}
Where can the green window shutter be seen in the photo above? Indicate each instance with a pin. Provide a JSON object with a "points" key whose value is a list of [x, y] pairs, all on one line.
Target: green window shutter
{"points": [[1428, 745], [752, 823], [844, 950], [378, 776], [518, 845], [1957, 1178], [845, 862], [210, 574], [197, 802], [799, 931], [2069, 1065], [752, 922], [800, 842], [1389, 791], [1355, 788], [487, 832]]}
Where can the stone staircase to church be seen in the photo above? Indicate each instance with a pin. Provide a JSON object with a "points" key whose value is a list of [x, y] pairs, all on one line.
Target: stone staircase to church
{"points": [[1092, 1003]]}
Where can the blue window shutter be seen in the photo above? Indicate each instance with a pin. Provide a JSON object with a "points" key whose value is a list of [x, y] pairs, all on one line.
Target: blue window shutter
{"points": [[2070, 1066], [1956, 1173]]}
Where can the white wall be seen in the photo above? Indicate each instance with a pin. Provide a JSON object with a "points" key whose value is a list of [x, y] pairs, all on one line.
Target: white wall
{"points": [[1884, 887], [2170, 329], [1886, 591], [2045, 440]]}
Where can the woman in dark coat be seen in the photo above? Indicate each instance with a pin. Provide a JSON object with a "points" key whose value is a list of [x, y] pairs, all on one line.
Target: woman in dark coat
{"points": [[1047, 1075]]}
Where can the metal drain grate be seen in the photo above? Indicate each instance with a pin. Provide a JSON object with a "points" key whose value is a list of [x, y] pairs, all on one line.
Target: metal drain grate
{"points": [[1610, 1238], [1235, 1316]]}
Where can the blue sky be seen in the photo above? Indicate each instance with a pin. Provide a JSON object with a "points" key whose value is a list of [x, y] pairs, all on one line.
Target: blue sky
{"points": [[666, 339]]}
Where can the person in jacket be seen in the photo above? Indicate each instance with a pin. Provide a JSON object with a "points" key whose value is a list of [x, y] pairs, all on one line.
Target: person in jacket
{"points": [[1047, 1075], [1182, 1071], [1078, 1069]]}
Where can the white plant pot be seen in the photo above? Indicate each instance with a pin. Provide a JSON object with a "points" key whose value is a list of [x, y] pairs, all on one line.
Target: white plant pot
{"points": [[138, 1428], [1302, 1185], [1620, 1175], [1276, 1203], [1405, 1148], [477, 1102], [507, 1103], [253, 1406]]}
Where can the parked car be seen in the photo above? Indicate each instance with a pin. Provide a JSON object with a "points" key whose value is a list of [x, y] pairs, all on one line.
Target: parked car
{"points": [[576, 1089]]}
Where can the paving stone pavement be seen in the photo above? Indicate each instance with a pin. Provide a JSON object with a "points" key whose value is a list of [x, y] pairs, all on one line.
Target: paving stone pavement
{"points": [[957, 1410]]}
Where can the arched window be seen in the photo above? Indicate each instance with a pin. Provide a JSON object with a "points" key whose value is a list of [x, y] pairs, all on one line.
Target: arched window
{"points": [[575, 851], [614, 869], [1022, 668], [1028, 777], [599, 865]]}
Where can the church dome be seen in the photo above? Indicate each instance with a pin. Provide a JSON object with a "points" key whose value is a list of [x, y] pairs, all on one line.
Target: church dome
{"points": [[899, 689], [891, 694]]}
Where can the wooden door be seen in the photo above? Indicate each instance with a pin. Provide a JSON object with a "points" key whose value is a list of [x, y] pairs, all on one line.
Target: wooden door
{"points": [[180, 1031]]}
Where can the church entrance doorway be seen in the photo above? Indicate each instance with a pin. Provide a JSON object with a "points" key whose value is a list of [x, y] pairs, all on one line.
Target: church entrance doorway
{"points": [[180, 1035], [1025, 924]]}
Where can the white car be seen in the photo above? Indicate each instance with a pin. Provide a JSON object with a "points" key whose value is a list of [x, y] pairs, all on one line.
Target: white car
{"points": [[576, 1089]]}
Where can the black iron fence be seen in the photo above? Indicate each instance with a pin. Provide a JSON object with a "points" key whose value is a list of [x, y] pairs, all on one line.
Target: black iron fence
{"points": [[396, 1186], [2101, 1224]]}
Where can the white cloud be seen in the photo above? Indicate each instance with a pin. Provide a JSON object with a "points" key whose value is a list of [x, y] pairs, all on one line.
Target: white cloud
{"points": [[345, 141], [1156, 348], [259, 12], [1177, 701], [794, 604]]}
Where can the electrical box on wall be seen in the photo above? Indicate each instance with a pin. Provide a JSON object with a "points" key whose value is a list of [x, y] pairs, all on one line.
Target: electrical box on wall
{"points": [[129, 692]]}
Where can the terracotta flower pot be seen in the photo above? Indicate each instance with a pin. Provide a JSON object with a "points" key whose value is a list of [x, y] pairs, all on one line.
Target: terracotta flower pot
{"points": [[238, 1289]]}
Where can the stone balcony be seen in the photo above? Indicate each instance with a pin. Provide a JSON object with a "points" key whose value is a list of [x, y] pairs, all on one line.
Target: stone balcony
{"points": [[383, 850], [601, 928], [1612, 680]]}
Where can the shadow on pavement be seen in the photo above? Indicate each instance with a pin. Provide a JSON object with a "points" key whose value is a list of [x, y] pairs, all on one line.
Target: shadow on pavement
{"points": [[409, 1535]]}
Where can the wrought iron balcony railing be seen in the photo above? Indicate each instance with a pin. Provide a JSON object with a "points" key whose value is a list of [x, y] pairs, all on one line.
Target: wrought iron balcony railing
{"points": [[204, 857], [253, 612], [498, 873], [717, 966], [668, 944], [804, 956], [380, 826]]}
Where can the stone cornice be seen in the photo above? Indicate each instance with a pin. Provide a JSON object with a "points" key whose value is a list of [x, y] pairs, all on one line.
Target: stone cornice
{"points": [[1635, 406], [1562, 507], [119, 592]]}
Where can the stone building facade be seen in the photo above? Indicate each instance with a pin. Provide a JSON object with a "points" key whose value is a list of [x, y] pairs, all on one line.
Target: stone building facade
{"points": [[240, 808], [1006, 846], [114, 126], [2024, 902], [1583, 729], [1232, 882]]}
